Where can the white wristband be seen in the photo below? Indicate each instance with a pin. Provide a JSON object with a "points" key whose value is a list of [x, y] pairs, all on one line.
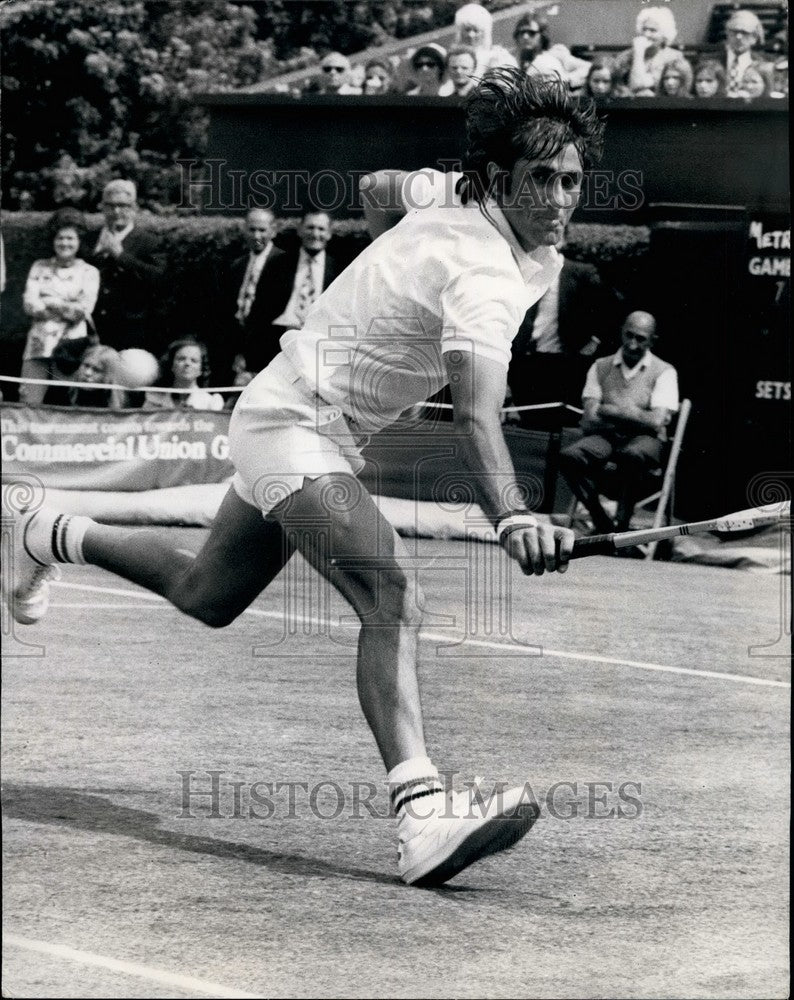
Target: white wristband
{"points": [[513, 522]]}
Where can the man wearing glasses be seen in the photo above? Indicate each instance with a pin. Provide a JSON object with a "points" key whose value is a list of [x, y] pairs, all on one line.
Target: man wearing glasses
{"points": [[535, 52], [336, 75], [743, 32]]}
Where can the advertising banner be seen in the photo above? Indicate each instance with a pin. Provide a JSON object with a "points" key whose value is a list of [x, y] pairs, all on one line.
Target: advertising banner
{"points": [[126, 450]]}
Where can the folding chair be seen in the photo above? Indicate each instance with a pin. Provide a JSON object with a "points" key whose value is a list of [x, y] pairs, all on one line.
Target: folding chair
{"points": [[664, 497]]}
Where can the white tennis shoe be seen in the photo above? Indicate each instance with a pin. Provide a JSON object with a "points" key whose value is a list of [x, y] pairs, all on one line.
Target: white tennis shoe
{"points": [[26, 587], [466, 828]]}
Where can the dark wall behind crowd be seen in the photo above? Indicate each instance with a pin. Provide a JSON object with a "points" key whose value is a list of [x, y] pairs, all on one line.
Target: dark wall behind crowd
{"points": [[711, 179], [282, 149]]}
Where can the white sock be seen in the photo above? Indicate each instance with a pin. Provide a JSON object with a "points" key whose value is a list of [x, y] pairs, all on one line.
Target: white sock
{"points": [[53, 537], [412, 780]]}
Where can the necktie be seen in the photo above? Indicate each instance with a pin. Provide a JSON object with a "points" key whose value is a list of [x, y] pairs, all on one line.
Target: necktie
{"points": [[306, 295], [734, 77], [245, 299]]}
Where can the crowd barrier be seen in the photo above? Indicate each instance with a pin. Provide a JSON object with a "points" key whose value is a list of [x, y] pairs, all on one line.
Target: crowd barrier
{"points": [[137, 450], [148, 467]]}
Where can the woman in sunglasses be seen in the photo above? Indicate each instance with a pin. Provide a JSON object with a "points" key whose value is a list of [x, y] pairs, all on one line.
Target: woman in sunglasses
{"points": [[427, 64], [536, 54]]}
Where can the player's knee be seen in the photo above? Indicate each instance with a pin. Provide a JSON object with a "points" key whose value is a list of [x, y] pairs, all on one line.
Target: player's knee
{"points": [[399, 600], [209, 612]]}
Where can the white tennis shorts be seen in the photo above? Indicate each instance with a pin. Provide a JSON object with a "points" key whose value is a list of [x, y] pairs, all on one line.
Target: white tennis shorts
{"points": [[281, 433]]}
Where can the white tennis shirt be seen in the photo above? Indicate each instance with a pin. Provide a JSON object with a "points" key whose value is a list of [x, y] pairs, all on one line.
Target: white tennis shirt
{"points": [[447, 277]]}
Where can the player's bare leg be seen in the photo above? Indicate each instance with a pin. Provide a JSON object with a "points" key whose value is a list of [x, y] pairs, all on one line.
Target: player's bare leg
{"points": [[384, 595], [439, 834], [240, 557], [242, 554]]}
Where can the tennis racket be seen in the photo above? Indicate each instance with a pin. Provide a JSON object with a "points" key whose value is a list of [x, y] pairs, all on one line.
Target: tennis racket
{"points": [[742, 520]]}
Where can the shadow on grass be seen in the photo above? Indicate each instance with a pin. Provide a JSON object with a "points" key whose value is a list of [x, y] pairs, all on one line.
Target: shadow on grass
{"points": [[80, 811]]}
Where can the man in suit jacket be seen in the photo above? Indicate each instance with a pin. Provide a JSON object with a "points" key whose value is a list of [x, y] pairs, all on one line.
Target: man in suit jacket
{"points": [[303, 274], [253, 298], [559, 335], [130, 271], [743, 32]]}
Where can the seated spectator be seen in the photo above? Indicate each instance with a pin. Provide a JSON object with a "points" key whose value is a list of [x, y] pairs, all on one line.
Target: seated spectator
{"points": [[709, 79], [629, 399], [603, 79], [535, 51], [377, 76], [428, 64], [185, 365], [99, 364], [474, 28], [676, 79], [753, 84], [60, 295], [336, 75], [641, 66], [461, 68], [743, 33]]}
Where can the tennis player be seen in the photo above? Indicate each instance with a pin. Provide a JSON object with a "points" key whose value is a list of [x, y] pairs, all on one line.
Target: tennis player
{"points": [[435, 300]]}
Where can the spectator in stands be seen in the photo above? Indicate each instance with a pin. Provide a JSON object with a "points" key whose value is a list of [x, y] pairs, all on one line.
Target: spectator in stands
{"points": [[99, 364], [377, 76], [252, 299], [130, 270], [60, 296], [301, 276], [336, 77], [676, 79], [474, 28], [779, 82], [641, 66], [743, 32], [629, 399], [603, 79], [428, 64], [709, 79], [386, 18], [560, 334], [534, 50], [461, 68], [185, 365], [754, 84]]}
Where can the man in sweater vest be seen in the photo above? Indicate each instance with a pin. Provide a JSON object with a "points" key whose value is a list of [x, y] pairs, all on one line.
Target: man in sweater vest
{"points": [[628, 401]]}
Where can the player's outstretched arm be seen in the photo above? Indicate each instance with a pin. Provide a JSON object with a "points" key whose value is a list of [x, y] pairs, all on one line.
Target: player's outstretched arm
{"points": [[477, 387]]}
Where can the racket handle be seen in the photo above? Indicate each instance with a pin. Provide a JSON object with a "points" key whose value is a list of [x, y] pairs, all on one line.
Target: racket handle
{"points": [[595, 545]]}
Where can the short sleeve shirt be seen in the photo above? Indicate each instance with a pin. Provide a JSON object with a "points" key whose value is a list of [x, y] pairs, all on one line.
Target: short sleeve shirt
{"points": [[448, 277]]}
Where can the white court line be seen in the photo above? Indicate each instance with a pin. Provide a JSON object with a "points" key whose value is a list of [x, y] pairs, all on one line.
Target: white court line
{"points": [[160, 976], [560, 654]]}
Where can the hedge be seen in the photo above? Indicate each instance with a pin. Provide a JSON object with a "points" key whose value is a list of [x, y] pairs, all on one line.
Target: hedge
{"points": [[195, 248]]}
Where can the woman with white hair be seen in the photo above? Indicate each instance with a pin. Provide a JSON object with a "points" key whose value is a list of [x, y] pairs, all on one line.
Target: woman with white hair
{"points": [[642, 65], [474, 28]]}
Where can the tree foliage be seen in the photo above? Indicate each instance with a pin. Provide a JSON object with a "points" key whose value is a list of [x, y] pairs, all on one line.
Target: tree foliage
{"points": [[100, 88]]}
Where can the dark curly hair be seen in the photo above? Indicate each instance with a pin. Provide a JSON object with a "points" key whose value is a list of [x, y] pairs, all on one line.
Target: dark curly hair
{"points": [[512, 116], [66, 218], [167, 361]]}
